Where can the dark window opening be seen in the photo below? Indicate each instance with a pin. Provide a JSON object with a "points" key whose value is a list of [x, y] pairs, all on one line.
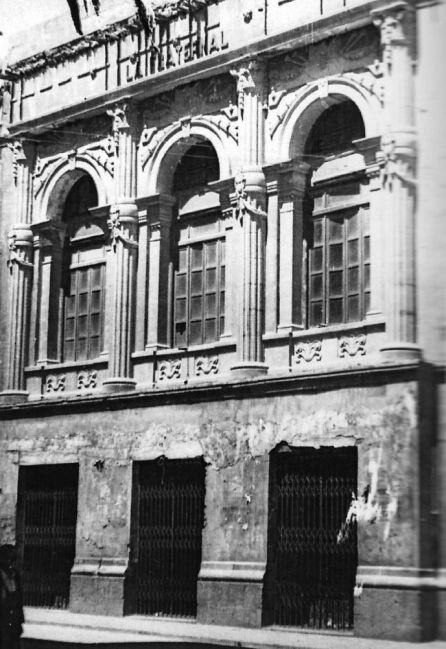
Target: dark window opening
{"points": [[335, 130], [198, 167], [312, 549], [167, 524], [46, 532]]}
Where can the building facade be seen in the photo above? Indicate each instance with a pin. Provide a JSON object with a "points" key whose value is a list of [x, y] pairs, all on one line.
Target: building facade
{"points": [[223, 316]]}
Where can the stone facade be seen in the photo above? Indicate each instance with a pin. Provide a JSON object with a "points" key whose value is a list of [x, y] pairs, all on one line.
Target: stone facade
{"points": [[123, 108]]}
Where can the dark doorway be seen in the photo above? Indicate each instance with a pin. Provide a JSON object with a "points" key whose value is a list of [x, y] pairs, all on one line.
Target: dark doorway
{"points": [[312, 551], [167, 524], [46, 532]]}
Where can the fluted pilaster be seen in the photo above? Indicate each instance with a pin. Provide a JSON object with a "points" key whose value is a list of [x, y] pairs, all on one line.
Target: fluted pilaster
{"points": [[397, 160]]}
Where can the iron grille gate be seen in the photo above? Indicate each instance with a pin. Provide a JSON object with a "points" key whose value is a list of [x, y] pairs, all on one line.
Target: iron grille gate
{"points": [[168, 517], [47, 512], [312, 552]]}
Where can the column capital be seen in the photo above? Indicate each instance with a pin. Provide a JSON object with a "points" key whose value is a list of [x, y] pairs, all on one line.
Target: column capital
{"points": [[123, 116], [20, 246], [249, 74], [392, 20], [122, 223]]}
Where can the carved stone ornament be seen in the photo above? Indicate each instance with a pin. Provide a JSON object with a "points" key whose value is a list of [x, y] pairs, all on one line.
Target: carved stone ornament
{"points": [[18, 155], [16, 255], [308, 350], [87, 379], [116, 230], [149, 140], [170, 369], [119, 115], [352, 345], [102, 153], [391, 23], [55, 383], [206, 365], [243, 202], [43, 170]]}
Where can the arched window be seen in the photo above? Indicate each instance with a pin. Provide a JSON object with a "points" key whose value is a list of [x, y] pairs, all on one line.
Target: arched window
{"points": [[83, 275], [198, 251], [337, 221]]}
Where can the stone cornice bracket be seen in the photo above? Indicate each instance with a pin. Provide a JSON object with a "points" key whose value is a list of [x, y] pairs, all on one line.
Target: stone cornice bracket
{"points": [[396, 23], [116, 226], [121, 120], [396, 159], [250, 77], [19, 248], [243, 201], [18, 156]]}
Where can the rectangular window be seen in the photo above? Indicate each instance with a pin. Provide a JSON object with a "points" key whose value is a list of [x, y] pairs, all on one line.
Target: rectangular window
{"points": [[312, 544], [46, 532], [83, 313], [167, 524], [199, 293], [339, 268]]}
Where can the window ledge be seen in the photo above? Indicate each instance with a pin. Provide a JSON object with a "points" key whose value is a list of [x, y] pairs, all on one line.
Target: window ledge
{"points": [[326, 331], [45, 367], [219, 345]]}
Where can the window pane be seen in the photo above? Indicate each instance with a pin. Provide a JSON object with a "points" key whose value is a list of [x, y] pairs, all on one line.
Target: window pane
{"points": [[96, 274], [70, 306], [69, 328], [222, 276], [180, 309], [210, 330], [317, 232], [83, 304], [353, 308], [336, 283], [195, 333], [336, 256], [182, 259], [366, 248], [316, 286], [335, 311], [210, 305], [222, 302], [82, 326], [211, 254], [353, 226], [317, 259], [69, 350], [211, 279], [180, 289], [196, 257], [180, 334], [94, 347], [73, 281], [95, 325], [195, 307], [82, 348], [367, 277], [366, 302], [335, 230], [96, 301], [196, 283], [83, 280], [353, 280], [315, 313], [222, 251], [365, 214], [353, 252]]}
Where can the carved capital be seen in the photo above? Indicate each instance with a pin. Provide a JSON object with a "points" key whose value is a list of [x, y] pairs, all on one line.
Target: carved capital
{"points": [[249, 193], [393, 20], [19, 248], [250, 77], [396, 158], [122, 117], [121, 222]]}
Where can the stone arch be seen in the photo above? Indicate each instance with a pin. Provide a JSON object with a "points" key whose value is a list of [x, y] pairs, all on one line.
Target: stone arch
{"points": [[310, 102], [51, 202], [158, 175]]}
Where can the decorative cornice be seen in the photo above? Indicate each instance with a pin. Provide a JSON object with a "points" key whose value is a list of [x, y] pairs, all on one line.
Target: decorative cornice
{"points": [[110, 34]]}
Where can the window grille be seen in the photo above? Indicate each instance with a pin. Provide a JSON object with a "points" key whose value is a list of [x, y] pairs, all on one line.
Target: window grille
{"points": [[46, 532], [167, 523], [312, 551]]}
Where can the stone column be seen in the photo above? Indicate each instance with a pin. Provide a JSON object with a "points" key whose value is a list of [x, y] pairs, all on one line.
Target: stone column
{"points": [[20, 244], [397, 159], [250, 219], [122, 254], [159, 217]]}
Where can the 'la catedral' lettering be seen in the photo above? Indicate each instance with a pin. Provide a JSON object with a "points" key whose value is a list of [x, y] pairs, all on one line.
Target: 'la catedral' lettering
{"points": [[190, 47]]}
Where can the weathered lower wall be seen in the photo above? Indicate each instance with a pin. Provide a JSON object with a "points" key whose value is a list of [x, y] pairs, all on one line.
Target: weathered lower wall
{"points": [[235, 438]]}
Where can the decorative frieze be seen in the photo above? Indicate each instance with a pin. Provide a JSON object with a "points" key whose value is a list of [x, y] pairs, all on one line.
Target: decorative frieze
{"points": [[55, 383], [170, 369], [308, 350], [206, 365], [352, 345], [87, 379]]}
